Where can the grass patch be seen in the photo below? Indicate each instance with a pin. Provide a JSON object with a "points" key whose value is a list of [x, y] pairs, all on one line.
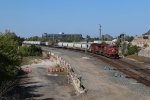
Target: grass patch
{"points": [[65, 72], [57, 66], [139, 58], [29, 60]]}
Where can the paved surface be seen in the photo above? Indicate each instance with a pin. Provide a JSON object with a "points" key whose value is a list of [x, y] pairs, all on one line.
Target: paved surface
{"points": [[100, 80]]}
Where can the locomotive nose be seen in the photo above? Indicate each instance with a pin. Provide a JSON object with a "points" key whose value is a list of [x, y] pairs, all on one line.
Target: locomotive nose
{"points": [[115, 50]]}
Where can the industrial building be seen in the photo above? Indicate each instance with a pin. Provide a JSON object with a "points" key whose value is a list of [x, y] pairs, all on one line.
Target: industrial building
{"points": [[60, 36]]}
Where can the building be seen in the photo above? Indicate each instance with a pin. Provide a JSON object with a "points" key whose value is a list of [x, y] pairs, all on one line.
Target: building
{"points": [[142, 41], [61, 36]]}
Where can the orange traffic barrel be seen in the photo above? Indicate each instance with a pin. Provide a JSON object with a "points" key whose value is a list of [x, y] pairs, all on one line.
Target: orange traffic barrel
{"points": [[53, 69], [61, 69], [56, 69], [49, 69]]}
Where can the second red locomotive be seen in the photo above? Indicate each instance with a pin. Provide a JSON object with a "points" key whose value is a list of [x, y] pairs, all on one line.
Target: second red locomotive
{"points": [[104, 49]]}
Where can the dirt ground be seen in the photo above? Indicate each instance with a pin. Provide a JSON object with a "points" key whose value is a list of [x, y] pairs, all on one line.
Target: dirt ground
{"points": [[139, 58], [30, 60], [42, 85]]}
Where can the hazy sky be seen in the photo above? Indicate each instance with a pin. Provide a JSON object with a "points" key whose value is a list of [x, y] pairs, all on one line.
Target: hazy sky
{"points": [[34, 17]]}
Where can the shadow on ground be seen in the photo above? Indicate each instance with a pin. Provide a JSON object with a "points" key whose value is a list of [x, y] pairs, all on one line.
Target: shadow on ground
{"points": [[24, 91]]}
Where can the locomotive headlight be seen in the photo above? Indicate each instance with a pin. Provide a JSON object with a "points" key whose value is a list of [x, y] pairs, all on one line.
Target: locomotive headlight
{"points": [[113, 50]]}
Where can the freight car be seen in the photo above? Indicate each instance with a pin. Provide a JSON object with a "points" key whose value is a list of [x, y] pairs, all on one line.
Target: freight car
{"points": [[36, 43], [76, 45], [32, 42]]}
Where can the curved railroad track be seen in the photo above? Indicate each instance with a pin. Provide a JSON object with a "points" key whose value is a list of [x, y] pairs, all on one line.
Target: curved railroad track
{"points": [[141, 76]]}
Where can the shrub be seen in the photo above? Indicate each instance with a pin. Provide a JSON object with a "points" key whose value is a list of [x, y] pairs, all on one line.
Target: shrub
{"points": [[30, 51], [133, 50]]}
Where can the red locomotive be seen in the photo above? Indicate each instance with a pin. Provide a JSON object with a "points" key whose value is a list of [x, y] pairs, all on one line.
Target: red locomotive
{"points": [[104, 49]]}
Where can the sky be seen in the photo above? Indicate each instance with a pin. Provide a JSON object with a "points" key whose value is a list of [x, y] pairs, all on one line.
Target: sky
{"points": [[34, 17]]}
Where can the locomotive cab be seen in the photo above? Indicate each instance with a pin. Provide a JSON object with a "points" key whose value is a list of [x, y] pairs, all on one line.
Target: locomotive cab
{"points": [[111, 51]]}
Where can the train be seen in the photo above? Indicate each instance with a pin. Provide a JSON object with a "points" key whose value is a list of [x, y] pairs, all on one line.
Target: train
{"points": [[107, 50]]}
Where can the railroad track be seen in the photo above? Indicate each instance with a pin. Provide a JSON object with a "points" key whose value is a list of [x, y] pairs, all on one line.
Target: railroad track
{"points": [[132, 71], [127, 70], [137, 68]]}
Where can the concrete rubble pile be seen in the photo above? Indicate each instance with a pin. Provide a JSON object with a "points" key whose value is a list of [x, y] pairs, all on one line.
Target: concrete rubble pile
{"points": [[75, 78], [145, 52]]}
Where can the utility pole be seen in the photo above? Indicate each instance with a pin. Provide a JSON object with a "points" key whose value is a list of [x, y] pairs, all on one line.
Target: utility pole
{"points": [[100, 30], [86, 41]]}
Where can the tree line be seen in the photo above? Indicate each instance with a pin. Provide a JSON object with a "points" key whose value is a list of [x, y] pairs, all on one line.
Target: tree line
{"points": [[11, 54]]}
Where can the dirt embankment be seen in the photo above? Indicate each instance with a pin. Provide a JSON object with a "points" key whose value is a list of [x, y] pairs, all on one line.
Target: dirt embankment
{"points": [[139, 58]]}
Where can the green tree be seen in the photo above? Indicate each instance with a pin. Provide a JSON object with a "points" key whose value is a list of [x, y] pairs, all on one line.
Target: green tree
{"points": [[9, 56], [34, 51], [118, 42], [129, 38], [34, 38]]}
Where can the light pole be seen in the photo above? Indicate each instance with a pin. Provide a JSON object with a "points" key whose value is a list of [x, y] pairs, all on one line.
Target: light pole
{"points": [[100, 30]]}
